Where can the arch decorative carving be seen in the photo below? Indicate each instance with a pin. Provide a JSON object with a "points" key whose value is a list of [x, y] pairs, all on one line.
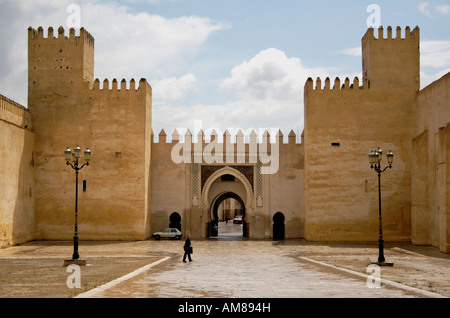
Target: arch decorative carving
{"points": [[228, 170], [208, 170]]}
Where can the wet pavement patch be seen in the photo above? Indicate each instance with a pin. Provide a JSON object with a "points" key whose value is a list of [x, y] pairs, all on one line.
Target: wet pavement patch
{"points": [[47, 278]]}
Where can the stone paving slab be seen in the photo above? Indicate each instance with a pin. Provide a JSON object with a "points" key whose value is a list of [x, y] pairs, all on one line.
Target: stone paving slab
{"points": [[249, 269], [239, 268]]}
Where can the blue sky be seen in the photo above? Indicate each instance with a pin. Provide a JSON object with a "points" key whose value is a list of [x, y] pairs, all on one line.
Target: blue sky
{"points": [[230, 64]]}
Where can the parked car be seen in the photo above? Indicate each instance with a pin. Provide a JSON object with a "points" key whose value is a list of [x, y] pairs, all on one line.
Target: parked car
{"points": [[172, 233], [238, 219]]}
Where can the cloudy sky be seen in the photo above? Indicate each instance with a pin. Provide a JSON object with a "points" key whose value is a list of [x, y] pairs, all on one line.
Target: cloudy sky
{"points": [[229, 64]]}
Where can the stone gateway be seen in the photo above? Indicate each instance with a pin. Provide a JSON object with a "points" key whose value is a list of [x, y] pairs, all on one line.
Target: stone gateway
{"points": [[321, 189]]}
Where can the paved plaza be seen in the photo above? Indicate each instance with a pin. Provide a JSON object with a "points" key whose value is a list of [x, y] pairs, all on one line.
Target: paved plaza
{"points": [[233, 267], [242, 269]]}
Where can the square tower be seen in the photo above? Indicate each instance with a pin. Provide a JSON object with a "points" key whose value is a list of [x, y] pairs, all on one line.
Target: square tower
{"points": [[56, 62], [349, 120], [392, 63], [69, 108]]}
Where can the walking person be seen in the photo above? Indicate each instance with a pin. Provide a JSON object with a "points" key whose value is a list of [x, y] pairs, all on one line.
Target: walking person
{"points": [[187, 249]]}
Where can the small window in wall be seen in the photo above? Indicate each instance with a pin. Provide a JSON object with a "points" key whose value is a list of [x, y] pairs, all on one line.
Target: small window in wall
{"points": [[118, 155], [227, 177], [335, 144], [84, 185]]}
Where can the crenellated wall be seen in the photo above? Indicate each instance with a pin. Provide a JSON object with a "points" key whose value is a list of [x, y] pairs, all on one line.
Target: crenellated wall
{"points": [[124, 87], [134, 186], [39, 34], [342, 125], [54, 62], [326, 86], [392, 62], [69, 108], [274, 171]]}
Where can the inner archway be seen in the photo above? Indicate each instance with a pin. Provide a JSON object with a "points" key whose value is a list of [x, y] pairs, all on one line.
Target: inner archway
{"points": [[228, 221], [223, 184]]}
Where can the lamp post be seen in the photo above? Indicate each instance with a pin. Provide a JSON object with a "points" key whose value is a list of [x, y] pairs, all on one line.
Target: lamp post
{"points": [[375, 157], [75, 156]]}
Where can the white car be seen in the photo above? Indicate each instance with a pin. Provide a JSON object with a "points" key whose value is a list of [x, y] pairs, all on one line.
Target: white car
{"points": [[168, 233]]}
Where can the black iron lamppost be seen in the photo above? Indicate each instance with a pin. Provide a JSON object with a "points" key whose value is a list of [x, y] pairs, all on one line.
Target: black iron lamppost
{"points": [[75, 156], [375, 157]]}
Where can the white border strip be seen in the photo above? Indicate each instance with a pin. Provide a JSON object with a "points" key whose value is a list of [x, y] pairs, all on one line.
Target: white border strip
{"points": [[93, 292], [387, 282]]}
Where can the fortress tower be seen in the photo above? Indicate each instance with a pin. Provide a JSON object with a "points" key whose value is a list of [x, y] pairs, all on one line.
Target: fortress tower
{"points": [[70, 109], [343, 123], [392, 61], [54, 63]]}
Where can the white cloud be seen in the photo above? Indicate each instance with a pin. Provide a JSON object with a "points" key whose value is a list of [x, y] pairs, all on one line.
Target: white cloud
{"points": [[270, 75], [427, 9], [269, 94], [127, 44], [233, 115], [426, 78], [267, 90], [354, 51], [443, 9], [435, 54], [270, 90], [173, 88], [424, 7], [434, 60]]}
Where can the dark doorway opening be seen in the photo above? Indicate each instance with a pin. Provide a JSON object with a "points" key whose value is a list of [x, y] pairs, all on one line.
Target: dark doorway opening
{"points": [[229, 224], [278, 227], [175, 220]]}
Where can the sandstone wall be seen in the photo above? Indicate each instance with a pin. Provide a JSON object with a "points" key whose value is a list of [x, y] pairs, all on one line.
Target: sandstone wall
{"points": [[324, 187], [285, 189], [343, 122], [170, 187], [179, 186], [431, 159], [69, 108], [17, 218]]}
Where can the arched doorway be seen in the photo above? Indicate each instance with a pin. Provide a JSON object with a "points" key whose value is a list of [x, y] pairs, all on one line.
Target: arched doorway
{"points": [[224, 183], [235, 226], [175, 220], [278, 227]]}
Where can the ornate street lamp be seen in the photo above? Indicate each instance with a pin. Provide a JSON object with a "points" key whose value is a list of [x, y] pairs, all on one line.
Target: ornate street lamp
{"points": [[375, 157], [75, 156]]}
